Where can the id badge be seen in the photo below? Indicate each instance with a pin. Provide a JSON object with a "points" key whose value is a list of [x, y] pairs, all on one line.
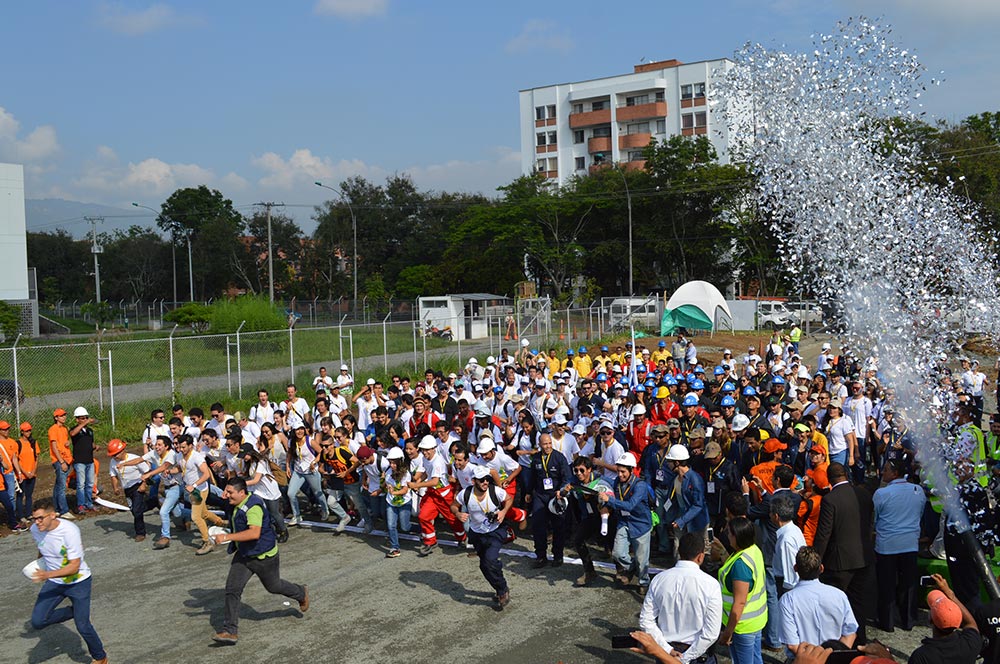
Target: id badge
{"points": [[548, 484], [660, 476], [667, 504], [710, 487]]}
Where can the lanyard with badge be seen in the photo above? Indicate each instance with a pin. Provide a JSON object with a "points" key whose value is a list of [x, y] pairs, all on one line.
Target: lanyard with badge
{"points": [[710, 485], [622, 495], [660, 475], [547, 482]]}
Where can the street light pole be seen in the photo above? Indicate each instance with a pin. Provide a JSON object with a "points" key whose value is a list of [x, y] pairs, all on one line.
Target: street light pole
{"points": [[190, 266], [628, 199], [354, 228], [173, 253]]}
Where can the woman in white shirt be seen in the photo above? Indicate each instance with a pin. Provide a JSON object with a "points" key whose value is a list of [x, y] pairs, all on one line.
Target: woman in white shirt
{"points": [[260, 481], [303, 459], [398, 503], [843, 442]]}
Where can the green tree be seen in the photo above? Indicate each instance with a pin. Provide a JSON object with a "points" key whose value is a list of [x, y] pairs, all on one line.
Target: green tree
{"points": [[64, 266], [194, 314], [101, 312], [10, 321], [216, 230], [135, 265], [286, 243]]}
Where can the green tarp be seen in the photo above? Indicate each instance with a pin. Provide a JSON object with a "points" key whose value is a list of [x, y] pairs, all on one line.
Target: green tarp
{"points": [[688, 316]]}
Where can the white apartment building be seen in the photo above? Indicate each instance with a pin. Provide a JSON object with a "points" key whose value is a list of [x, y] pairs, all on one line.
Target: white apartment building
{"points": [[570, 128]]}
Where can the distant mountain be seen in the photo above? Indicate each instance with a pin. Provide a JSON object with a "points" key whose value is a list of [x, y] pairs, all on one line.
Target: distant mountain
{"points": [[50, 214]]}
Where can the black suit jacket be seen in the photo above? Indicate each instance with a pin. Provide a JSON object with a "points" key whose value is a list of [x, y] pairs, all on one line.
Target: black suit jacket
{"points": [[838, 533]]}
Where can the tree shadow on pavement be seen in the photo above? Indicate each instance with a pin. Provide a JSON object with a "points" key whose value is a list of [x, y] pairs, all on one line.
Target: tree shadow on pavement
{"points": [[445, 584], [55, 641]]}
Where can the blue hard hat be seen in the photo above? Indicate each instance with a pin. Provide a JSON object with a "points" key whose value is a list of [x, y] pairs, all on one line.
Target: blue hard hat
{"points": [[628, 344], [583, 349], [662, 344], [569, 351], [749, 390], [534, 351], [699, 369], [670, 381], [602, 376], [690, 400], [690, 378], [650, 383], [778, 380], [639, 388], [728, 386], [498, 389], [821, 373], [697, 384], [604, 349], [728, 401], [718, 371], [641, 367]]}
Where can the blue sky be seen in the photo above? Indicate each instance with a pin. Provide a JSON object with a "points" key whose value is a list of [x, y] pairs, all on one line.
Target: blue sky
{"points": [[113, 102]]}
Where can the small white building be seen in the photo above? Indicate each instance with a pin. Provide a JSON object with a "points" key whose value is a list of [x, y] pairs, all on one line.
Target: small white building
{"points": [[570, 128], [469, 315], [14, 278]]}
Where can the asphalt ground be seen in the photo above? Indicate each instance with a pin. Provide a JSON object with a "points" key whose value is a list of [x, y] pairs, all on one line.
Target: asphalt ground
{"points": [[164, 606]]}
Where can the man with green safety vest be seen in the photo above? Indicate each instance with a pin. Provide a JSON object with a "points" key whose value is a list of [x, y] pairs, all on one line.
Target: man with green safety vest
{"points": [[794, 336], [970, 436], [744, 598]]}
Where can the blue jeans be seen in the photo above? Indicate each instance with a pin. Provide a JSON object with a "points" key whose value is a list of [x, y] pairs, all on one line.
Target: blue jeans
{"points": [[632, 554], [376, 507], [840, 457], [487, 546], [171, 500], [9, 487], [858, 470], [745, 649], [296, 481], [59, 489], [397, 516], [84, 485], [23, 500], [353, 491], [9, 508], [45, 612], [773, 626]]}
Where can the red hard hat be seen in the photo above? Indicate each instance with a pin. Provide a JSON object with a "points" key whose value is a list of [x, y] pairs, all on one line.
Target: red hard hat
{"points": [[115, 446]]}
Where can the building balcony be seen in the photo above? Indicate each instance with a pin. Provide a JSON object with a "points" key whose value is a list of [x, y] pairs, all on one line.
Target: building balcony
{"points": [[548, 122], [690, 103], [636, 165], [627, 141], [599, 144], [694, 131], [551, 175], [590, 118], [542, 149], [656, 109], [597, 168]]}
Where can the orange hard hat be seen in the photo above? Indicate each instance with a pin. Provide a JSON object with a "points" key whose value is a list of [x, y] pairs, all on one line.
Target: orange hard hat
{"points": [[115, 446]]}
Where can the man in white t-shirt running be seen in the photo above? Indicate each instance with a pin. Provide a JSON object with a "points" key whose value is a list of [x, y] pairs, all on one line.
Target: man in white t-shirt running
{"points": [[483, 508], [63, 574]]}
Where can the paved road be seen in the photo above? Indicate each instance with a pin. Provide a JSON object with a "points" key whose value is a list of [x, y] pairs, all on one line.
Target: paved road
{"points": [[125, 394], [165, 605]]}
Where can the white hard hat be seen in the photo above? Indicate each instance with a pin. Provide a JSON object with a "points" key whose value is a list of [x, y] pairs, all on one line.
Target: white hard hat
{"points": [[80, 412], [343, 367], [491, 360], [678, 453], [638, 409], [486, 445], [525, 343], [626, 460], [558, 505], [394, 453], [427, 443], [473, 361], [740, 422]]}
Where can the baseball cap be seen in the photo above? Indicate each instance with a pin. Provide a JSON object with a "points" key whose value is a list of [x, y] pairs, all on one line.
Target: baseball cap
{"points": [[773, 445], [673, 423], [696, 432], [818, 449], [57, 412], [945, 614], [713, 450], [365, 452]]}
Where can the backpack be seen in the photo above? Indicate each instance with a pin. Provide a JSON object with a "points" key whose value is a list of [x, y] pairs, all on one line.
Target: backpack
{"points": [[279, 473], [492, 491]]}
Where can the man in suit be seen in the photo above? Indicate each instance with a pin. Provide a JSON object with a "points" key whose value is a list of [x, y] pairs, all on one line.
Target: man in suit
{"points": [[839, 542]]}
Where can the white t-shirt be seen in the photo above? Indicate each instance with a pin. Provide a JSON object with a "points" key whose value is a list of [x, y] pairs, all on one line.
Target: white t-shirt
{"points": [[477, 509], [400, 500], [611, 454], [154, 460], [58, 546], [464, 475], [436, 467], [304, 456], [373, 473], [837, 434], [129, 476], [259, 414], [325, 381], [567, 446], [346, 382], [151, 431], [295, 412], [267, 487], [338, 403], [503, 464], [192, 470]]}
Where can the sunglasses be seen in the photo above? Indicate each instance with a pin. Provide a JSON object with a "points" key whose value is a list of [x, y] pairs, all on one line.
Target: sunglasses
{"points": [[579, 471]]}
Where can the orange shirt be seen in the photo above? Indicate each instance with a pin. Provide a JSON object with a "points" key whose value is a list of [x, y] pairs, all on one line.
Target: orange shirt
{"points": [[59, 449], [7, 455], [765, 473], [28, 456], [809, 517]]}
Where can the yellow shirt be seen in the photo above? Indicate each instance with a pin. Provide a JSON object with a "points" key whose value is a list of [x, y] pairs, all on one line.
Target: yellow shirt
{"points": [[658, 355], [554, 364], [584, 365]]}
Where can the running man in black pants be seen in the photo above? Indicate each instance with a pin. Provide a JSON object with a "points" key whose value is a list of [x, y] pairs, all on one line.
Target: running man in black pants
{"points": [[591, 518], [256, 552]]}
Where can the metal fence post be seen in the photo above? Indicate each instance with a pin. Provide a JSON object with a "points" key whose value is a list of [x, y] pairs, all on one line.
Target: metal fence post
{"points": [[229, 369], [458, 337], [291, 354], [111, 388], [340, 338], [350, 336], [424, 337], [173, 391], [385, 342], [17, 385], [239, 362], [100, 375], [414, 347]]}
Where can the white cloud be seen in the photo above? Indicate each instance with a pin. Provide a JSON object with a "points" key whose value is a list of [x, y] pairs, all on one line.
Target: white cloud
{"points": [[149, 177], [538, 35], [33, 149], [353, 9], [483, 175], [131, 22], [304, 168]]}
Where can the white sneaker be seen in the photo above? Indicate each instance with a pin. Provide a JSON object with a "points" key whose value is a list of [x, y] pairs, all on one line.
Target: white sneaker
{"points": [[294, 521], [68, 516], [342, 526]]}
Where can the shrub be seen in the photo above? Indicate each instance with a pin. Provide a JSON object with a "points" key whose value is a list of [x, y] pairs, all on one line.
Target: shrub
{"points": [[258, 312]]}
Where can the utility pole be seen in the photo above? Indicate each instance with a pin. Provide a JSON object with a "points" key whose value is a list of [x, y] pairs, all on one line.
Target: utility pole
{"points": [[270, 259], [96, 249]]}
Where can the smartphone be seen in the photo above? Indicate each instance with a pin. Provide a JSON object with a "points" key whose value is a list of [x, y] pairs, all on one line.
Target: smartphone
{"points": [[623, 641], [711, 534], [842, 656], [927, 582]]}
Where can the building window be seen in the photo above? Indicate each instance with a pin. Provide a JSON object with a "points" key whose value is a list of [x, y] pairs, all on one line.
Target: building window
{"points": [[600, 132], [701, 119], [540, 166], [660, 95], [552, 138], [577, 108], [636, 155], [661, 126], [553, 164], [699, 90], [687, 91], [551, 110], [578, 136], [540, 139], [636, 100], [581, 163], [687, 121], [597, 105], [539, 112], [637, 128]]}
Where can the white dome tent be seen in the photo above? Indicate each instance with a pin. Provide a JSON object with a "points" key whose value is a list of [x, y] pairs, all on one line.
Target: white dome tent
{"points": [[698, 305]]}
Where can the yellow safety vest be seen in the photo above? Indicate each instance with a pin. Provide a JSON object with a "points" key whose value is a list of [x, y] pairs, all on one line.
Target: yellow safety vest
{"points": [[754, 616], [982, 472]]}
